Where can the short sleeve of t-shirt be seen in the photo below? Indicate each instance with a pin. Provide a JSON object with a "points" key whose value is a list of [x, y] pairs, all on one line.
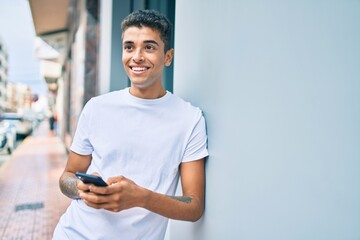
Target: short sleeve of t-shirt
{"points": [[81, 142], [196, 147]]}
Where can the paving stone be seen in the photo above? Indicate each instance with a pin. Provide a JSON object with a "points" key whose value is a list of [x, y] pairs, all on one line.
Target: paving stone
{"points": [[30, 199]]}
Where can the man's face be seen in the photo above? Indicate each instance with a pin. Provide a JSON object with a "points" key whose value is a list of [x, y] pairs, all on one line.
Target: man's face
{"points": [[143, 57]]}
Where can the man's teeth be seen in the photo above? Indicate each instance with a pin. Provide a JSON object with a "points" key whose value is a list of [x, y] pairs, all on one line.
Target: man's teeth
{"points": [[138, 68]]}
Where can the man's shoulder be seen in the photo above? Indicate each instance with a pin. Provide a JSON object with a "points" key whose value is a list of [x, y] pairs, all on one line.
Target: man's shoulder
{"points": [[109, 97], [184, 103], [182, 106]]}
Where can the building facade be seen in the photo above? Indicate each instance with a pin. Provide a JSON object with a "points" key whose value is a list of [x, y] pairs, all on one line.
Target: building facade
{"points": [[3, 75], [14, 97]]}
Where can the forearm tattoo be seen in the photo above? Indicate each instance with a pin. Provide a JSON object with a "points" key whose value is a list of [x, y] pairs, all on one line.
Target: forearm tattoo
{"points": [[68, 186], [182, 199]]}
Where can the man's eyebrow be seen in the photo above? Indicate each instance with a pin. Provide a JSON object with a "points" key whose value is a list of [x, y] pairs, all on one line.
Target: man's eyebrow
{"points": [[146, 41], [151, 41]]}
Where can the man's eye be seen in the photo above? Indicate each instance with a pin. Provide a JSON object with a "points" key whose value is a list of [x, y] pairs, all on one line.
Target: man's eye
{"points": [[149, 47], [128, 47]]}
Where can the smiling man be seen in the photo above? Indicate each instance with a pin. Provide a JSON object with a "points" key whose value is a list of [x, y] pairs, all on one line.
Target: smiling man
{"points": [[140, 140], [144, 58]]}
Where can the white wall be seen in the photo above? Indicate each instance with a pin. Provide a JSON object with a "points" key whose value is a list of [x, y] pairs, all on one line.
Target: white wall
{"points": [[279, 83]]}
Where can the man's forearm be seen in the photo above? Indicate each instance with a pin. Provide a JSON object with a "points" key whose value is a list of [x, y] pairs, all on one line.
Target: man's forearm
{"points": [[187, 208], [182, 199], [68, 185]]}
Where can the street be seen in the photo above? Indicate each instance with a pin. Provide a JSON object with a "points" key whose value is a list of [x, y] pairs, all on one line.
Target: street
{"points": [[30, 199]]}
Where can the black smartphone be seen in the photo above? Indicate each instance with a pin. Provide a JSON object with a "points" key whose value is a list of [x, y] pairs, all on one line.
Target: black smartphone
{"points": [[91, 179]]}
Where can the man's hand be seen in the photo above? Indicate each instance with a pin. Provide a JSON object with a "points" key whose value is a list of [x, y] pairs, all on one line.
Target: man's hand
{"points": [[83, 187], [122, 193]]}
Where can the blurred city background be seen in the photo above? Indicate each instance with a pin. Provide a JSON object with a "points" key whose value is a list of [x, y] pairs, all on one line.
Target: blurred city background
{"points": [[25, 99]]}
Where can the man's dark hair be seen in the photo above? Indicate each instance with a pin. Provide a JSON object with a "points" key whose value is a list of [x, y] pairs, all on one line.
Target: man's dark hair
{"points": [[152, 19]]}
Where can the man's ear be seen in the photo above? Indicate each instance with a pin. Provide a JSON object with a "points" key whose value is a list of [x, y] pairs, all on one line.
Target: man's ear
{"points": [[169, 56]]}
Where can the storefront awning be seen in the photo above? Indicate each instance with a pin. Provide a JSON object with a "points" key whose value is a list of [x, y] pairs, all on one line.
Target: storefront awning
{"points": [[49, 16]]}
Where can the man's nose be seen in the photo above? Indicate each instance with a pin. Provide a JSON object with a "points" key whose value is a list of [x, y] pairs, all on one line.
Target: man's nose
{"points": [[138, 56]]}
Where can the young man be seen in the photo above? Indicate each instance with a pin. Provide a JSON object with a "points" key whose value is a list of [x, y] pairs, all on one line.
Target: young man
{"points": [[139, 139]]}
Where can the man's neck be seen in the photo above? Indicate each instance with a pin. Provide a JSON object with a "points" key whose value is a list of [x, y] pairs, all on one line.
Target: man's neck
{"points": [[147, 93]]}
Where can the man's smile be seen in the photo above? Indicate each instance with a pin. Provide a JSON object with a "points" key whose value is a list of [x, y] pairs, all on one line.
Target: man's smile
{"points": [[139, 69]]}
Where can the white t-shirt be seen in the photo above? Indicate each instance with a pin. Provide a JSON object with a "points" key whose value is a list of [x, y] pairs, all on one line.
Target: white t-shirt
{"points": [[144, 140]]}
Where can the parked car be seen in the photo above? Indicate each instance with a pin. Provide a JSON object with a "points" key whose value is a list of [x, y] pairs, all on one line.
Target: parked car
{"points": [[23, 125], [7, 137]]}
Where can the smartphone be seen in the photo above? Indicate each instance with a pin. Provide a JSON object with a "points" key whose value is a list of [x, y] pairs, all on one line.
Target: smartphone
{"points": [[91, 179]]}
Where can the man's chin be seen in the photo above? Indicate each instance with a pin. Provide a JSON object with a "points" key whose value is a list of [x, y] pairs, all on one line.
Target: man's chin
{"points": [[142, 84]]}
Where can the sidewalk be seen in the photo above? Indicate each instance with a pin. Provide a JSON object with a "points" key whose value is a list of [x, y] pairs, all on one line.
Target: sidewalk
{"points": [[30, 199]]}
